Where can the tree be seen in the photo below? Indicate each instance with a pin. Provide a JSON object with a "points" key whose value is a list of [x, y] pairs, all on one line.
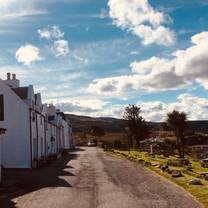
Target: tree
{"points": [[97, 131], [177, 121], [136, 126]]}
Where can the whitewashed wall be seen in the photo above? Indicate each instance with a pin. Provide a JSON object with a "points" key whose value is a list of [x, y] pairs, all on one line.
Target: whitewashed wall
{"points": [[66, 135], [53, 143], [48, 139], [41, 136], [71, 140], [0, 159], [16, 141]]}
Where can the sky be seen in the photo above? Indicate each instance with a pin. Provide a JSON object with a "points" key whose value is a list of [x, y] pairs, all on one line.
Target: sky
{"points": [[94, 57]]}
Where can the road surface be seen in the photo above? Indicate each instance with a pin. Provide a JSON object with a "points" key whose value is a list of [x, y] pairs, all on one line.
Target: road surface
{"points": [[92, 178]]}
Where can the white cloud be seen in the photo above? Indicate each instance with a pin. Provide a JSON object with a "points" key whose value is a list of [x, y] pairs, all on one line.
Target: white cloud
{"points": [[157, 74], [81, 106], [22, 13], [44, 33], [61, 47], [112, 86], [121, 85], [141, 19], [80, 59], [90, 107], [28, 54], [154, 64], [53, 32], [195, 107], [12, 9], [160, 35]]}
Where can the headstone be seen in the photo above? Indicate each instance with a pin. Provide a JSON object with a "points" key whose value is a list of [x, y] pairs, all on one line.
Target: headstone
{"points": [[195, 182]]}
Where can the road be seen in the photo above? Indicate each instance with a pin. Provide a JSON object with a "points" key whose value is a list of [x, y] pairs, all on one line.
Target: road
{"points": [[92, 178]]}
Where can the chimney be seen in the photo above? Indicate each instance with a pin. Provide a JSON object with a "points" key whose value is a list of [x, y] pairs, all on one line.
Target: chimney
{"points": [[12, 81], [8, 76], [13, 76]]}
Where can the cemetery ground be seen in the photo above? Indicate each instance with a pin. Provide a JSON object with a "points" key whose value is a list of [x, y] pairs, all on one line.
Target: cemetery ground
{"points": [[167, 166]]}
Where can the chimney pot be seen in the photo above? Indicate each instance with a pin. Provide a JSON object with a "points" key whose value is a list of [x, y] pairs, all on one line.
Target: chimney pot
{"points": [[14, 76], [8, 76]]}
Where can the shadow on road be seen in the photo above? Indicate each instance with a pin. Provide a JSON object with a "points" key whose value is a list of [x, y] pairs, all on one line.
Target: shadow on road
{"points": [[20, 182]]}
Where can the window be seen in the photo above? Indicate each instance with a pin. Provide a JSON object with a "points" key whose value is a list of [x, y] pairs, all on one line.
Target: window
{"points": [[1, 108], [51, 118]]}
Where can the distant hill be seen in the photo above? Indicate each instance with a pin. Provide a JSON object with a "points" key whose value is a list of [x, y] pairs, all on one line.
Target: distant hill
{"points": [[84, 123]]}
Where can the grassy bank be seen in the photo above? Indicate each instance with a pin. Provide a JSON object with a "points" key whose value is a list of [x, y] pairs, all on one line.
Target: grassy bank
{"points": [[200, 192]]}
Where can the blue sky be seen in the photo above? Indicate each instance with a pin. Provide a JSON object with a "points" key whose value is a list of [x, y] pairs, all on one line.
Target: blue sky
{"points": [[93, 57]]}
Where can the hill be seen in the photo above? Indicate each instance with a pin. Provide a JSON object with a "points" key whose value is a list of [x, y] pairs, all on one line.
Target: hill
{"points": [[84, 123], [113, 125]]}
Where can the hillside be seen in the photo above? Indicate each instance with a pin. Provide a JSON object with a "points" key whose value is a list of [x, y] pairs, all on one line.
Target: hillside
{"points": [[83, 123]]}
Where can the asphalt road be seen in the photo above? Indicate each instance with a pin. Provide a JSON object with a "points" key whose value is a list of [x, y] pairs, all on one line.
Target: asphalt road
{"points": [[92, 178]]}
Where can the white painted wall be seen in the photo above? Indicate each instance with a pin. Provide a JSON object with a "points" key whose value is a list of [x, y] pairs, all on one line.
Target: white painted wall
{"points": [[66, 135], [52, 144], [41, 136], [0, 159], [48, 139], [16, 141], [71, 140], [34, 138]]}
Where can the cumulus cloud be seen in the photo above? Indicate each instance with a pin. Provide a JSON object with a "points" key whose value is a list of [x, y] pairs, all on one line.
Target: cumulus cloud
{"points": [[141, 19], [189, 64], [195, 107], [61, 47], [113, 86], [89, 106], [152, 82], [183, 68], [28, 54]]}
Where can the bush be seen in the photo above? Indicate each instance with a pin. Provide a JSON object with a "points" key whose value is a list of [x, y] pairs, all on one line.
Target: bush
{"points": [[117, 144], [176, 163], [189, 168]]}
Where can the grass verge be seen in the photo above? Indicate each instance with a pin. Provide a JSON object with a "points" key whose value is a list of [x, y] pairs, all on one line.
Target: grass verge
{"points": [[200, 192]]}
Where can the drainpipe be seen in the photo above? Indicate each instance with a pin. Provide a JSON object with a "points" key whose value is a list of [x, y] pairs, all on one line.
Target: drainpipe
{"points": [[31, 152], [37, 133]]}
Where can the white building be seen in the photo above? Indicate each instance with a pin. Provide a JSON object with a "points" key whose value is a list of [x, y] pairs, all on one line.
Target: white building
{"points": [[2, 131], [64, 136], [31, 134]]}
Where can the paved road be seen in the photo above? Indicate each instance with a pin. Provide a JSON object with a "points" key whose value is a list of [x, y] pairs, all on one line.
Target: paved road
{"points": [[94, 179]]}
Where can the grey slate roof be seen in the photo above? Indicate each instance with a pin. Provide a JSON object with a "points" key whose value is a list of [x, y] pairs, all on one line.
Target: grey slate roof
{"points": [[22, 92]]}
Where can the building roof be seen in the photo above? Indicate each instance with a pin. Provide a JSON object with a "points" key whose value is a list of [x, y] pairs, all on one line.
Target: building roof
{"points": [[22, 92]]}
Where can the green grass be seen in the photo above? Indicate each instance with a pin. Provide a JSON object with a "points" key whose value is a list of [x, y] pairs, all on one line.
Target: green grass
{"points": [[199, 192]]}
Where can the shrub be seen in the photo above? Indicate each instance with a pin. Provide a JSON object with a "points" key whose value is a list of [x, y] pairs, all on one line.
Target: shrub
{"points": [[176, 163]]}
